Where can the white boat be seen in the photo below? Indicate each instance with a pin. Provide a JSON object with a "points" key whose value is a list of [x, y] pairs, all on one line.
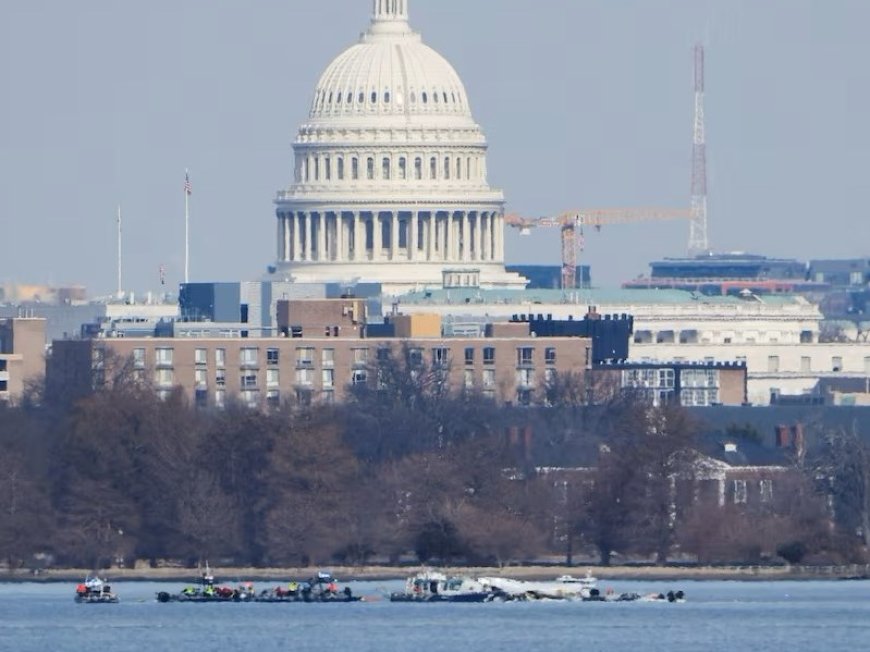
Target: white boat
{"points": [[565, 587], [432, 586]]}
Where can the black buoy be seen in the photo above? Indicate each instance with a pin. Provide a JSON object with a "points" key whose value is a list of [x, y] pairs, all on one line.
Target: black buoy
{"points": [[163, 596]]}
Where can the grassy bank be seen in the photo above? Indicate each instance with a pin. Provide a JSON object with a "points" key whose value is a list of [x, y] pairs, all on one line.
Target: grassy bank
{"points": [[229, 575]]}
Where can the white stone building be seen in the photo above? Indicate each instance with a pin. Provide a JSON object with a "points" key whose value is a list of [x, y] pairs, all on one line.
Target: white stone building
{"points": [[777, 336], [390, 182]]}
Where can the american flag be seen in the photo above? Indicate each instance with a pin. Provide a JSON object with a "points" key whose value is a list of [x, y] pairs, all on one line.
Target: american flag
{"points": [[187, 187]]}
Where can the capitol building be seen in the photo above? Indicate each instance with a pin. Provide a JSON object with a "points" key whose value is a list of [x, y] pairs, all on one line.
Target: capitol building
{"points": [[390, 179]]}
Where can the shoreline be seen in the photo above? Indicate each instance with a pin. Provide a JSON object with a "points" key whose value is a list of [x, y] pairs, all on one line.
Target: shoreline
{"points": [[387, 573]]}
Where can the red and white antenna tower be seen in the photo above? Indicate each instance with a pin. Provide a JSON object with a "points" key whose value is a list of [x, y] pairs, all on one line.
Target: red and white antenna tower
{"points": [[698, 241]]}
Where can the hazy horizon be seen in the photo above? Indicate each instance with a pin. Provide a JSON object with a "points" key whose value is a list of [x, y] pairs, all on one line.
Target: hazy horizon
{"points": [[585, 104]]}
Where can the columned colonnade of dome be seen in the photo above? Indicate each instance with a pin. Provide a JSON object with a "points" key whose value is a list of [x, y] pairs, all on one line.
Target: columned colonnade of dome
{"points": [[383, 236]]}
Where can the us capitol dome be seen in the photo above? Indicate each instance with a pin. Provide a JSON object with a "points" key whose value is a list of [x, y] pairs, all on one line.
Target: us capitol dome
{"points": [[390, 182]]}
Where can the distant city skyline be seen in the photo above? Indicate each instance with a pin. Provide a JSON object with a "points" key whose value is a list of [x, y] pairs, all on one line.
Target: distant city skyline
{"points": [[585, 104]]}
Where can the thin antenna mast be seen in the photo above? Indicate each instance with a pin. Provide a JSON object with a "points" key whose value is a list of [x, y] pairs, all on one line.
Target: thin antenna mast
{"points": [[187, 192], [120, 284], [698, 240]]}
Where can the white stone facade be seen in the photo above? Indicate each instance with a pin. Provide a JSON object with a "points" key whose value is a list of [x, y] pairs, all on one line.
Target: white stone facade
{"points": [[776, 336], [390, 183]]}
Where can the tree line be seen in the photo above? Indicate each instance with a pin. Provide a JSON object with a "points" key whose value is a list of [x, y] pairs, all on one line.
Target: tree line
{"points": [[407, 469]]}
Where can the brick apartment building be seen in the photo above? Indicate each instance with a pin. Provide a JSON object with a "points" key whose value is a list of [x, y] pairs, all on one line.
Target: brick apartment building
{"points": [[22, 355], [327, 346]]}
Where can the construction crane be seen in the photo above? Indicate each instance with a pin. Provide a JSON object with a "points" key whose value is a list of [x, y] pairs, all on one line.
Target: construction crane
{"points": [[571, 225]]}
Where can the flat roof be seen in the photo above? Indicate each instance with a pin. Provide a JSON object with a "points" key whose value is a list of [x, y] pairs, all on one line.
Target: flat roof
{"points": [[584, 297]]}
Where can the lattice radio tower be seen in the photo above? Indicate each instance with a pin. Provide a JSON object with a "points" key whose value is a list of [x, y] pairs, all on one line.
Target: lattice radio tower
{"points": [[698, 241]]}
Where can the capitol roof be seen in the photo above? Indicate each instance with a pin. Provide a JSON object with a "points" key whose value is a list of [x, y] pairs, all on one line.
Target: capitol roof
{"points": [[391, 74]]}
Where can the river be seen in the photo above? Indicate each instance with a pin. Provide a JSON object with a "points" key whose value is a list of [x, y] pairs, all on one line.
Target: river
{"points": [[717, 617]]}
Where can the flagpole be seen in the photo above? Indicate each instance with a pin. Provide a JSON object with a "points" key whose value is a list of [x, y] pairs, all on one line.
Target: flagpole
{"points": [[120, 285], [186, 226]]}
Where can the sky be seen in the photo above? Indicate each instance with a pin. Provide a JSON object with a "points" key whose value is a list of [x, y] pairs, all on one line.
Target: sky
{"points": [[585, 104]]}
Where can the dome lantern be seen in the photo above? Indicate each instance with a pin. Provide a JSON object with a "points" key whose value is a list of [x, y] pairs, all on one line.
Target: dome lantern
{"points": [[390, 10]]}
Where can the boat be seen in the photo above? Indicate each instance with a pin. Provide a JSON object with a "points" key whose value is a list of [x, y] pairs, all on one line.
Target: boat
{"points": [[565, 587], [206, 590], [321, 588], [95, 591], [433, 586]]}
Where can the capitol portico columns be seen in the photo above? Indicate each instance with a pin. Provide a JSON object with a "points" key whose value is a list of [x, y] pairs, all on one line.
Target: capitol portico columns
{"points": [[321, 236], [394, 236]]}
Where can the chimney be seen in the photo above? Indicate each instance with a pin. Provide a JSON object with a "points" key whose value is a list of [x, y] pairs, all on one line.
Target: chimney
{"points": [[783, 436]]}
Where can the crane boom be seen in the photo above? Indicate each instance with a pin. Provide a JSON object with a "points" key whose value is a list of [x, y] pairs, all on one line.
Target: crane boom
{"points": [[569, 222]]}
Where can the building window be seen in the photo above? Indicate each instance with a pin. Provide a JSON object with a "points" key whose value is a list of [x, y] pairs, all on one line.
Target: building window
{"points": [[220, 398], [740, 493], [370, 168], [340, 169], [836, 363], [766, 490], [200, 377], [359, 377], [550, 355], [272, 357], [220, 378], [354, 169], [327, 358], [489, 355], [200, 398], [305, 357], [385, 169], [469, 356], [806, 363], [415, 357], [200, 356], [384, 354], [164, 377], [248, 357], [525, 377], [163, 357], [446, 166], [524, 397], [488, 378], [360, 356], [138, 358], [549, 376], [433, 168], [272, 378], [469, 379], [418, 168], [773, 363], [250, 397], [273, 398], [525, 356], [305, 377], [440, 356], [403, 169], [220, 358], [248, 380], [328, 378]]}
